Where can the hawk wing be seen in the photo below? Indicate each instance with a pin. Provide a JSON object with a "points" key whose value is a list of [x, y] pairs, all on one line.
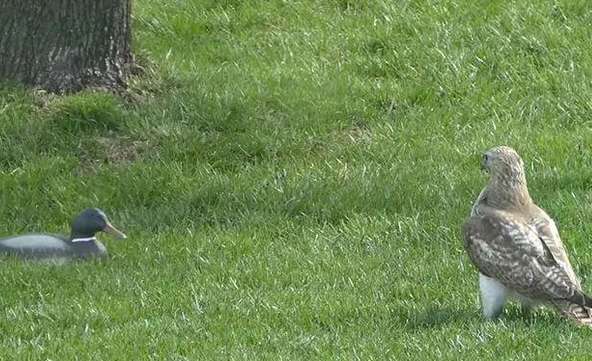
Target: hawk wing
{"points": [[545, 229], [548, 233], [481, 200], [511, 251]]}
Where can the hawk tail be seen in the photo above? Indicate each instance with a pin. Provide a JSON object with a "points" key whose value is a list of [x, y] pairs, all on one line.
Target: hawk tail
{"points": [[580, 314], [580, 298]]}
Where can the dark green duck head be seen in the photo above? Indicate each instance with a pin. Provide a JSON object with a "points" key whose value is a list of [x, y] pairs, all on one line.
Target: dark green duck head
{"points": [[90, 222]]}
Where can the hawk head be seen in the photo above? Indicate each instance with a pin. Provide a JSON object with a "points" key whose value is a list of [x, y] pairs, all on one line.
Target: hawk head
{"points": [[502, 161]]}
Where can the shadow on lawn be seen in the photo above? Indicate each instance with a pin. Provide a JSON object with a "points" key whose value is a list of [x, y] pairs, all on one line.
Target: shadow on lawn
{"points": [[438, 317]]}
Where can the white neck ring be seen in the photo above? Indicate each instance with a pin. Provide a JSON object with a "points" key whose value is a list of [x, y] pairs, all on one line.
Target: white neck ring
{"points": [[88, 239]]}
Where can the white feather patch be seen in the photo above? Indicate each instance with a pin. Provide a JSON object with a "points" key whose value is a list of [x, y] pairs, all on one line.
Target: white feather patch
{"points": [[493, 296]]}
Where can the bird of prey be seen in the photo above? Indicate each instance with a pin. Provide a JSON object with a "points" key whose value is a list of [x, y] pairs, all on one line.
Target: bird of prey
{"points": [[516, 247]]}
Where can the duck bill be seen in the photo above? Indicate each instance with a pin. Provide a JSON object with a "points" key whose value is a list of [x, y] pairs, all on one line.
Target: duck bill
{"points": [[114, 231]]}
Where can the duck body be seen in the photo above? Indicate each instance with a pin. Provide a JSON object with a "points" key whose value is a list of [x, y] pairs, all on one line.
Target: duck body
{"points": [[82, 242], [39, 245]]}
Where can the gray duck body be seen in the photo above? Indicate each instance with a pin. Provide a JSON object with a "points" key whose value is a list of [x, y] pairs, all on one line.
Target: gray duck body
{"points": [[39, 245], [82, 242]]}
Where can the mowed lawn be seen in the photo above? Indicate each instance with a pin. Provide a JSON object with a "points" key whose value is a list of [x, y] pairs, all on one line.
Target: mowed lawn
{"points": [[293, 176]]}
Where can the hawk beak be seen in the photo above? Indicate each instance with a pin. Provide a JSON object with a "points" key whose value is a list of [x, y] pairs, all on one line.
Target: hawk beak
{"points": [[114, 231]]}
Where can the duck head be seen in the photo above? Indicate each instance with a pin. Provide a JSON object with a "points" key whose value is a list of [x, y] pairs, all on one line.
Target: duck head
{"points": [[89, 222]]}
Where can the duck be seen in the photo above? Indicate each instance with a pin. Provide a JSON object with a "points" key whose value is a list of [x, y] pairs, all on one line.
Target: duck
{"points": [[81, 244]]}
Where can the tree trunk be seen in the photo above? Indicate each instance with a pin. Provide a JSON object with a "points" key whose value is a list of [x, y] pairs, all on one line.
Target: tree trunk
{"points": [[65, 45]]}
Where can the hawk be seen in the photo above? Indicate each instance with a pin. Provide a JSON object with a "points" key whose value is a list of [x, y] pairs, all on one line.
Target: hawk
{"points": [[516, 247]]}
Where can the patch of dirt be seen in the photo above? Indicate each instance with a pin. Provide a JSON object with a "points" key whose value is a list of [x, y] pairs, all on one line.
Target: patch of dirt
{"points": [[119, 151], [355, 134]]}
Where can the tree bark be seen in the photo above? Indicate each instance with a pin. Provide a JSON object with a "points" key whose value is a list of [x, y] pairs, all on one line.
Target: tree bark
{"points": [[65, 45]]}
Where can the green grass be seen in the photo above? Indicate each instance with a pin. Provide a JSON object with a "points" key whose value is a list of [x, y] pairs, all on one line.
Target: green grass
{"points": [[293, 181]]}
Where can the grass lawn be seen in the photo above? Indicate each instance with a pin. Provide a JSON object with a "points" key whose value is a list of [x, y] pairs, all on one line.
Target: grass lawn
{"points": [[293, 179]]}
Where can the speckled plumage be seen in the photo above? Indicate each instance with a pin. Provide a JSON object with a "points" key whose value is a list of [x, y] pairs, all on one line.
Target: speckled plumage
{"points": [[516, 247]]}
